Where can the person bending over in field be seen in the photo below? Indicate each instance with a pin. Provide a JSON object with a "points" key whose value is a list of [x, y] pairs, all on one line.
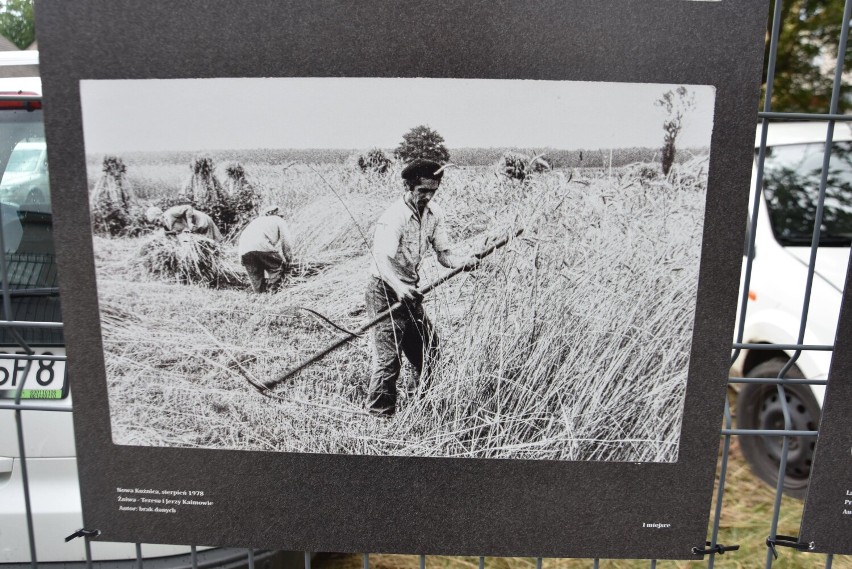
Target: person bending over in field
{"points": [[180, 218], [404, 233], [265, 248]]}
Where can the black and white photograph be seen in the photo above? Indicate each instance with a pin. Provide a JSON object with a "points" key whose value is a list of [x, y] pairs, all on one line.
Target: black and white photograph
{"points": [[467, 268]]}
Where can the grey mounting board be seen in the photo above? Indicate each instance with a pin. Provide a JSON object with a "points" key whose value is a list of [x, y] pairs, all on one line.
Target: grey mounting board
{"points": [[427, 505], [827, 518]]}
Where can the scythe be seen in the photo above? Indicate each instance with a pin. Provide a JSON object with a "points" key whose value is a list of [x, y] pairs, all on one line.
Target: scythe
{"points": [[265, 387]]}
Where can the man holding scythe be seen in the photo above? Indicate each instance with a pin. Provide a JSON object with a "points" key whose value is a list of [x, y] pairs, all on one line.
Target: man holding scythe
{"points": [[404, 234]]}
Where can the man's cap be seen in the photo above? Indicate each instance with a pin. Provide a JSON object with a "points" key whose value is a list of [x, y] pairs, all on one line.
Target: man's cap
{"points": [[420, 168], [270, 210]]}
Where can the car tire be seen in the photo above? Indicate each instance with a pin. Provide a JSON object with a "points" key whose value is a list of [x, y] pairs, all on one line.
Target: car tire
{"points": [[759, 407]]}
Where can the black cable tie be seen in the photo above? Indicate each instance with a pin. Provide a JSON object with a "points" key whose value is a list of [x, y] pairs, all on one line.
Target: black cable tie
{"points": [[83, 532], [787, 541], [718, 548]]}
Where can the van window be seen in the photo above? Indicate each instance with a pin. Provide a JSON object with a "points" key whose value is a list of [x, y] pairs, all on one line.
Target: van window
{"points": [[791, 187], [27, 227]]}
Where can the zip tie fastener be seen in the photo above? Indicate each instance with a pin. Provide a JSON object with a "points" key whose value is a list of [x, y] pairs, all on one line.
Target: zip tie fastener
{"points": [[718, 548], [83, 532], [787, 541]]}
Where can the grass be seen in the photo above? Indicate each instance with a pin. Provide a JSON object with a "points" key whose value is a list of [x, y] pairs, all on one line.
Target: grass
{"points": [[533, 365], [747, 508]]}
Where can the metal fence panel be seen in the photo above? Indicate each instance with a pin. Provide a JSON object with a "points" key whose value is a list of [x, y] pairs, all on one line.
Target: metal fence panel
{"points": [[36, 280]]}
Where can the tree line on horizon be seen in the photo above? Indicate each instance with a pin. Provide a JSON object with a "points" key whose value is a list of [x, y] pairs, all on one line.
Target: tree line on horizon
{"points": [[598, 158]]}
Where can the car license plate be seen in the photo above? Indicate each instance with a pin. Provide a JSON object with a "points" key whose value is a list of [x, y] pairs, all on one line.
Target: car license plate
{"points": [[45, 380]]}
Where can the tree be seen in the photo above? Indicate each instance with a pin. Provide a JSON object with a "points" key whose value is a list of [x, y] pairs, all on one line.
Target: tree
{"points": [[677, 105], [807, 51], [422, 142], [17, 22]]}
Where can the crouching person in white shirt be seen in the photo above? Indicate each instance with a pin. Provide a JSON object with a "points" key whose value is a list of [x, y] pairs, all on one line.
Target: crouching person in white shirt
{"points": [[265, 249]]}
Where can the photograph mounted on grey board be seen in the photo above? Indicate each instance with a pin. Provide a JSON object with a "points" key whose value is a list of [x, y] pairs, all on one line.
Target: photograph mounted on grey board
{"points": [[471, 268]]}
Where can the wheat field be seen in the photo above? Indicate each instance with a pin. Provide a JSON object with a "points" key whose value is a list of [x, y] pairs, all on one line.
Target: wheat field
{"points": [[570, 343]]}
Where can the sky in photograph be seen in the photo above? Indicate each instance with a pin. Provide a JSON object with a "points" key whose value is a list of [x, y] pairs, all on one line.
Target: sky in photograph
{"points": [[361, 113]]}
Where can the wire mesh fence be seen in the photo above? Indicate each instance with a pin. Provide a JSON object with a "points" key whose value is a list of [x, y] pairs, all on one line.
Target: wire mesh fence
{"points": [[30, 281]]}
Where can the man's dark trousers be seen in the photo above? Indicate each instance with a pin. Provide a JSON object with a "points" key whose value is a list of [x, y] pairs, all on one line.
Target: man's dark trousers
{"points": [[256, 262], [408, 331]]}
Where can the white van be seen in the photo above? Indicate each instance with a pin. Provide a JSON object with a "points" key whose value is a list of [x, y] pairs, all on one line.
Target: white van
{"points": [[783, 234]]}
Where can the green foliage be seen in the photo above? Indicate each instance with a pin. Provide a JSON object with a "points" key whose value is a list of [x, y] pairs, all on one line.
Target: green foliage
{"points": [[677, 105], [17, 22], [422, 142], [791, 192], [807, 50]]}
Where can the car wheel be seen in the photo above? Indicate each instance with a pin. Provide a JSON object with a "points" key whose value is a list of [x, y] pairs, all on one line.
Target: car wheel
{"points": [[760, 407], [35, 197]]}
